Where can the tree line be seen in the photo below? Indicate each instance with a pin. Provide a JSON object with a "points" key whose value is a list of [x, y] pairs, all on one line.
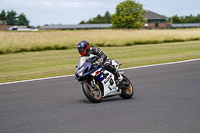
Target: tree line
{"points": [[184, 19], [11, 18], [99, 19], [129, 14]]}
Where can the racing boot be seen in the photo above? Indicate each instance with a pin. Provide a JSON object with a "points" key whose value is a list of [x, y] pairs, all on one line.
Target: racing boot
{"points": [[118, 76]]}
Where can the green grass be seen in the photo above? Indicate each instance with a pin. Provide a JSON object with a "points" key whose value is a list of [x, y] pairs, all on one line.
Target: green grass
{"points": [[16, 42], [32, 65]]}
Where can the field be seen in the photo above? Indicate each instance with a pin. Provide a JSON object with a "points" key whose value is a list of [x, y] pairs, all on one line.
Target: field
{"points": [[15, 42], [32, 65]]}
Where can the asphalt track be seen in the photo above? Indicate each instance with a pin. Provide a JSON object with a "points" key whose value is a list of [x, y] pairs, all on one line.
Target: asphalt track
{"points": [[166, 100]]}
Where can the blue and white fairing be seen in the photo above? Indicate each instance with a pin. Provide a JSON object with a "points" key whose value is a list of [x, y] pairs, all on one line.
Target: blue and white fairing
{"points": [[107, 79]]}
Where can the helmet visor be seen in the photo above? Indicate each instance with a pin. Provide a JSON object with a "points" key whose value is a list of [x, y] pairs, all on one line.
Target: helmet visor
{"points": [[81, 50]]}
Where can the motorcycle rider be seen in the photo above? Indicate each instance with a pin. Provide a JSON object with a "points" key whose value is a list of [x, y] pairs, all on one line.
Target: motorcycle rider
{"points": [[85, 49]]}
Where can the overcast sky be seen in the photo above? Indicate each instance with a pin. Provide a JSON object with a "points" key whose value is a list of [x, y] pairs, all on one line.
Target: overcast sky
{"points": [[41, 12]]}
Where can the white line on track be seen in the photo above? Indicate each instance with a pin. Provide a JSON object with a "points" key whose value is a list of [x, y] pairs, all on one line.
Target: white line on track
{"points": [[119, 69]]}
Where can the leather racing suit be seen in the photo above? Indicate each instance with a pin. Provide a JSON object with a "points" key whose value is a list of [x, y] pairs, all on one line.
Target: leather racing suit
{"points": [[106, 62]]}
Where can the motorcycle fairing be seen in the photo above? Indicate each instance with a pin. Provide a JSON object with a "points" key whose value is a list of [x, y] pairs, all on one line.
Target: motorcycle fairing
{"points": [[107, 79], [115, 63], [98, 74]]}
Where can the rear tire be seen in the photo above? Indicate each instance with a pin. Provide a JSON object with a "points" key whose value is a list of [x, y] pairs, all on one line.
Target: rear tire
{"points": [[127, 91], [93, 95]]}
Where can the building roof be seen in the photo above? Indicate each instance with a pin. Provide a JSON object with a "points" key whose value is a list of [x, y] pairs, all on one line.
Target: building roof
{"points": [[79, 26], [186, 25], [153, 15]]}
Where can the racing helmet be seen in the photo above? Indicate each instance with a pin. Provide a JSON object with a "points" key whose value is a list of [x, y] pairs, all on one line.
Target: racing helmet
{"points": [[83, 47]]}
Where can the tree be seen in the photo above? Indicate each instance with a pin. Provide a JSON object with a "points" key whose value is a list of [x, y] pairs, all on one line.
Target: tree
{"points": [[190, 19], [3, 15], [176, 19], [98, 20], [185, 19], [107, 17], [197, 19], [22, 20], [129, 14], [82, 22], [11, 18]]}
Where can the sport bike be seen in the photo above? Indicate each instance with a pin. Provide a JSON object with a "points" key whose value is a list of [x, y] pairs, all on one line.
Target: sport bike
{"points": [[98, 83]]}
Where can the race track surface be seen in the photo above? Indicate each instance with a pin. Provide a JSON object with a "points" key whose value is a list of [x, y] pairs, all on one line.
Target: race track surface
{"points": [[166, 100]]}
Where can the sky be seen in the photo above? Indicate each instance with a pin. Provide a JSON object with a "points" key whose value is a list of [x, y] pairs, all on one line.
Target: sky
{"points": [[41, 12]]}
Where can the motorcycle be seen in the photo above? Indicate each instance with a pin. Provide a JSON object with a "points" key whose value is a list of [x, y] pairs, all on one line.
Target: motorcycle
{"points": [[98, 83]]}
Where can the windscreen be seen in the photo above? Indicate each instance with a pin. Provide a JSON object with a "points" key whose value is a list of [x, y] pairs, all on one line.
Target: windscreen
{"points": [[82, 60]]}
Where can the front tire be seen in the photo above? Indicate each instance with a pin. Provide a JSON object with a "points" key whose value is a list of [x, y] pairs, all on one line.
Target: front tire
{"points": [[94, 95], [127, 90]]}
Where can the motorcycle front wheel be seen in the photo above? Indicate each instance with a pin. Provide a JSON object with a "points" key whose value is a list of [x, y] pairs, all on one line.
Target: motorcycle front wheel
{"points": [[93, 94], [127, 90]]}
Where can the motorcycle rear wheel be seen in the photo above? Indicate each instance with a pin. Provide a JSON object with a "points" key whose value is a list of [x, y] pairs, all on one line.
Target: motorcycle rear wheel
{"points": [[94, 95], [127, 91]]}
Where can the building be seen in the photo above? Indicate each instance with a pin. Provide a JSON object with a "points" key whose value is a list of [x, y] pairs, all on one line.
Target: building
{"points": [[2, 26], [186, 25], [21, 28], [76, 27], [155, 21]]}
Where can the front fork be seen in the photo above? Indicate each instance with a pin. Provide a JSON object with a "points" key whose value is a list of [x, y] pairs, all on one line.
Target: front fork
{"points": [[93, 84], [93, 87]]}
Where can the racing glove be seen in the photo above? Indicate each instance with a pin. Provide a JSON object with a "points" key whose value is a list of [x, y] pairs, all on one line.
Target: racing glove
{"points": [[99, 61]]}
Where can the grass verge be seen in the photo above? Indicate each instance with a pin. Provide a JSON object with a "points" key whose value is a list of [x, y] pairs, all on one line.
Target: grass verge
{"points": [[32, 65], [16, 42]]}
